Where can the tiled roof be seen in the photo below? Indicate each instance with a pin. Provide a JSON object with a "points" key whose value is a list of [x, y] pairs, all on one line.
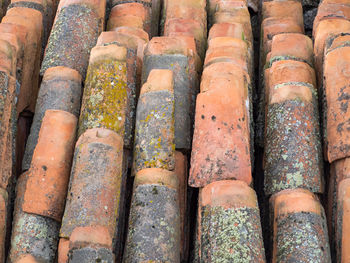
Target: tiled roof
{"points": [[174, 131]]}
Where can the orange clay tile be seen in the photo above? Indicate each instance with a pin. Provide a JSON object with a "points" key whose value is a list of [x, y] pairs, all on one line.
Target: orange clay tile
{"points": [[187, 27], [62, 251], [176, 54], [226, 207], [32, 21], [186, 9], [231, 50], [299, 227], [97, 6], [32, 234], [7, 101], [8, 57], [48, 178], [273, 26], [212, 6], [221, 140], [339, 170], [132, 9], [133, 32], [94, 189], [223, 74], [283, 9], [154, 132], [292, 120], [154, 218], [291, 46], [96, 235], [234, 30], [60, 89], [134, 40], [77, 22], [343, 222], [16, 50], [135, 9], [3, 222], [238, 16], [26, 258], [324, 30], [289, 71], [129, 20], [331, 10], [337, 40], [336, 86]]}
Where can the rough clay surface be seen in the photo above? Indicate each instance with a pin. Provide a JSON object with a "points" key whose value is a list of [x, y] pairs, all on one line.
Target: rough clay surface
{"points": [[302, 237], [154, 220], [231, 235]]}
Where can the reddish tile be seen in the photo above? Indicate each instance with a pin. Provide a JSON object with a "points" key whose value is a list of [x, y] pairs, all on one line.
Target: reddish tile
{"points": [[32, 21], [107, 80], [77, 22], [154, 218], [94, 189], [293, 155], [290, 71], [337, 40], [176, 54], [60, 90], [97, 6], [95, 235], [186, 9], [227, 49], [133, 32], [229, 223], [48, 176], [136, 10], [187, 27], [129, 21], [7, 107], [3, 222], [238, 15], [153, 7], [336, 87], [26, 258], [325, 29], [212, 7], [11, 43], [46, 7], [223, 74], [63, 249], [32, 234], [283, 9], [130, 37], [154, 130], [331, 10], [221, 129], [343, 222], [273, 26], [234, 30], [8, 57], [292, 46], [299, 227], [339, 170]]}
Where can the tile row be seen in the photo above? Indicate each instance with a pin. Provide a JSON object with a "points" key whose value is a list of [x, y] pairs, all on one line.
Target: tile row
{"points": [[42, 188], [289, 115], [228, 218], [23, 34], [330, 32], [163, 135]]}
